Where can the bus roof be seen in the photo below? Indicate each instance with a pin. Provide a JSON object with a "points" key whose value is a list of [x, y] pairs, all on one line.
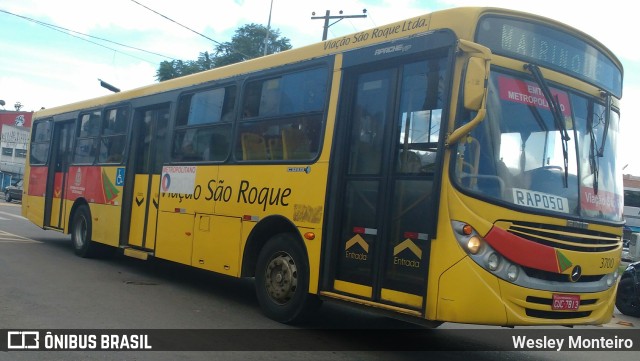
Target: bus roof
{"points": [[463, 26]]}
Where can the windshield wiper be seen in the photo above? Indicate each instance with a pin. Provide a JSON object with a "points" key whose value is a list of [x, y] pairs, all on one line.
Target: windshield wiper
{"points": [[556, 112], [607, 119], [593, 153]]}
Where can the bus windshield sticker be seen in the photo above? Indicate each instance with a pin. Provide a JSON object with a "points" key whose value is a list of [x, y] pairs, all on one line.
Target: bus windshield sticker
{"points": [[601, 202], [178, 179], [533, 199], [528, 93]]}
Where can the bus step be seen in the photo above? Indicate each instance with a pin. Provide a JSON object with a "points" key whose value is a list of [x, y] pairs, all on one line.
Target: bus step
{"points": [[136, 253]]}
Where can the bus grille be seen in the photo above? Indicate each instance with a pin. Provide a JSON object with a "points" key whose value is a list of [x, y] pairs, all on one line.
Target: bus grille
{"points": [[559, 277], [562, 237], [556, 315]]}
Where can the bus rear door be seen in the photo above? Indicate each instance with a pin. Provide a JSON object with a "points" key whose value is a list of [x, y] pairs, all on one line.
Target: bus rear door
{"points": [[142, 180], [54, 205]]}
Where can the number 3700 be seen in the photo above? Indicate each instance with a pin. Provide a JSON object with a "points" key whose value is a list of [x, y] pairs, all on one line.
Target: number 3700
{"points": [[606, 262]]}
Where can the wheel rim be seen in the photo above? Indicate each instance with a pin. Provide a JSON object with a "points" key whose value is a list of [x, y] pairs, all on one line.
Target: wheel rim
{"points": [[281, 278], [80, 232]]}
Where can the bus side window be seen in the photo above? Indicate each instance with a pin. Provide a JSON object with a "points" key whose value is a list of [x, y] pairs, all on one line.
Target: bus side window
{"points": [[204, 125], [217, 148], [87, 144], [114, 136], [254, 146], [85, 151], [40, 142], [295, 144], [185, 146], [282, 117]]}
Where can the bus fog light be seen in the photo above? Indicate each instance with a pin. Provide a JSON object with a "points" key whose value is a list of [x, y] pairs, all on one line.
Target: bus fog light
{"points": [[473, 245], [493, 261], [512, 273]]}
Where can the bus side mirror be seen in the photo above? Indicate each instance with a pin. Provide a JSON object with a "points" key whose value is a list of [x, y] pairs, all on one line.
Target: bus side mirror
{"points": [[475, 87], [474, 83]]}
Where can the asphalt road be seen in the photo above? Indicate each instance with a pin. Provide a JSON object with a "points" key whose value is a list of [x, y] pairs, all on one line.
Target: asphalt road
{"points": [[43, 285]]}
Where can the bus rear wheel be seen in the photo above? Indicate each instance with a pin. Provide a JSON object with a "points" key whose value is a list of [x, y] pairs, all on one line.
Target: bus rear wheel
{"points": [[282, 281], [81, 233]]}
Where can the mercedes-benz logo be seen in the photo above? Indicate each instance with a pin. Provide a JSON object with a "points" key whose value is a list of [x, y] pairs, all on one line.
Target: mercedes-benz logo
{"points": [[576, 273]]}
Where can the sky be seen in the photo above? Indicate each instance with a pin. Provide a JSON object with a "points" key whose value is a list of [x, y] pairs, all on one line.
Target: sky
{"points": [[41, 66]]}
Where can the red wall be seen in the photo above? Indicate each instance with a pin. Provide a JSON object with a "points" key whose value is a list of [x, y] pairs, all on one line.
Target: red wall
{"points": [[10, 118]]}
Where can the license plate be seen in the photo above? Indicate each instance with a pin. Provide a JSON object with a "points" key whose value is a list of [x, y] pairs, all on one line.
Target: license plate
{"points": [[565, 302]]}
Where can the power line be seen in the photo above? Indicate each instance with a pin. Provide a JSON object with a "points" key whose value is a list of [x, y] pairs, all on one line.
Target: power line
{"points": [[66, 31], [177, 23], [188, 28]]}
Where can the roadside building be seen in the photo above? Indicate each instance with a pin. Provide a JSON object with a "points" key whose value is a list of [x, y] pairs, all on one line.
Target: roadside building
{"points": [[13, 145]]}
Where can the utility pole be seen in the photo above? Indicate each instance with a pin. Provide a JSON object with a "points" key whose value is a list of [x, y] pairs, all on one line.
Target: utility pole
{"points": [[266, 38], [328, 16]]}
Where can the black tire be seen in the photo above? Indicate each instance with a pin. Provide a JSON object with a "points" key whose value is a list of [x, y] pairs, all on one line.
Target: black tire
{"points": [[627, 299], [282, 281], [81, 233]]}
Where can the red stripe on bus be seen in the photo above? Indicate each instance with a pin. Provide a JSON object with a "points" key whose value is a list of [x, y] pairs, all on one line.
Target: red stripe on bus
{"points": [[522, 251]]}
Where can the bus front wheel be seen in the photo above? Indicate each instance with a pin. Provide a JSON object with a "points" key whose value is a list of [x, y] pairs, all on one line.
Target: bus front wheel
{"points": [[627, 299], [81, 233], [282, 280]]}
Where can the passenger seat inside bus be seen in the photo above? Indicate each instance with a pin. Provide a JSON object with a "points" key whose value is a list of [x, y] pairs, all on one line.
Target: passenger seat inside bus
{"points": [[254, 147], [275, 148], [295, 144]]}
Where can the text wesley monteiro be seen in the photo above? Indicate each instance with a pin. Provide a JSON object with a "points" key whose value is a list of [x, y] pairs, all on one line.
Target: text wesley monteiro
{"points": [[571, 343]]}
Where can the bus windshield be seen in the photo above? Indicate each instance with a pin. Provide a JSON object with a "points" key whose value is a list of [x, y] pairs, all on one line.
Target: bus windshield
{"points": [[515, 156]]}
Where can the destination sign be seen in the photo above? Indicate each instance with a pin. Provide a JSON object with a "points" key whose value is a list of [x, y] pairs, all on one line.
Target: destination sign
{"points": [[553, 48]]}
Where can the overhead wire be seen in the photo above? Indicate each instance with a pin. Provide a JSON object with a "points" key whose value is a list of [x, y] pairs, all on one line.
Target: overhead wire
{"points": [[177, 23], [188, 28], [68, 31]]}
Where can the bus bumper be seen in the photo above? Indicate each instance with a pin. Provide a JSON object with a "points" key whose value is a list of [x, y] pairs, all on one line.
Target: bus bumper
{"points": [[468, 293]]}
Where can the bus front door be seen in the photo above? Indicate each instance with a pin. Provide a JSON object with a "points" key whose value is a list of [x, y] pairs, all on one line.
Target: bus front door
{"points": [[141, 201], [386, 184], [54, 204]]}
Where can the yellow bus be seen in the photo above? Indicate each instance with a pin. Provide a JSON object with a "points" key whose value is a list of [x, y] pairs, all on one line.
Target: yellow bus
{"points": [[458, 166]]}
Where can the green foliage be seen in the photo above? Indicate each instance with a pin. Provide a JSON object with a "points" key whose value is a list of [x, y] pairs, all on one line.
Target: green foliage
{"points": [[247, 43]]}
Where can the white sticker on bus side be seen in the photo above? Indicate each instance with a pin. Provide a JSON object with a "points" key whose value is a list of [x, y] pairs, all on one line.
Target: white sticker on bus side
{"points": [[527, 198], [178, 179]]}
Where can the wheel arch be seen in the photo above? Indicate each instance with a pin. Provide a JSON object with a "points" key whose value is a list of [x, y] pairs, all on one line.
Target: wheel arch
{"points": [[260, 235], [76, 204]]}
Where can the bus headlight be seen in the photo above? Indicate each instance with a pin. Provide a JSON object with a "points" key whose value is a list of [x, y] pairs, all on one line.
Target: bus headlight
{"points": [[512, 273], [612, 278], [468, 237], [481, 252], [474, 244], [493, 261]]}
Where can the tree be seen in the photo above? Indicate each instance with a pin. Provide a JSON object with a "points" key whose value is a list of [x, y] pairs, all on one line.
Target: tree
{"points": [[18, 106], [247, 43]]}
